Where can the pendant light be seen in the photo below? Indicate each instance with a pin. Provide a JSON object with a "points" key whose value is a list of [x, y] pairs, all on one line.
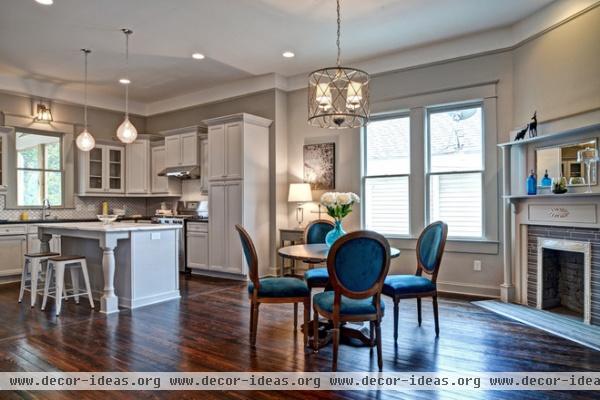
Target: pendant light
{"points": [[85, 141], [338, 97], [126, 132]]}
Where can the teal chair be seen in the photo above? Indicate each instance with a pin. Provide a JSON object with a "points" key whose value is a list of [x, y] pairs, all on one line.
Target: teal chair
{"points": [[430, 249], [272, 290], [357, 264], [314, 233]]}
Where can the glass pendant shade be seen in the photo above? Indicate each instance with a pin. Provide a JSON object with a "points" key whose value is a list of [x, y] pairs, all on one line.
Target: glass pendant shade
{"points": [[85, 141], [126, 132], [338, 98]]}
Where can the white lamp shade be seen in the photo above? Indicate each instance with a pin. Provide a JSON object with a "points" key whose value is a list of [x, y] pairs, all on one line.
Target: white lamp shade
{"points": [[126, 132], [85, 141], [299, 193], [323, 95]]}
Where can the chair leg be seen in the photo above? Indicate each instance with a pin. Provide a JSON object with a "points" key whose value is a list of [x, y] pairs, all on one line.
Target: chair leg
{"points": [[372, 332], [295, 317], [379, 350], [315, 330], [435, 316], [34, 267], [47, 285], [60, 284], [336, 344], [254, 324], [75, 282], [86, 280], [251, 324], [396, 315], [306, 320], [419, 310], [23, 280]]}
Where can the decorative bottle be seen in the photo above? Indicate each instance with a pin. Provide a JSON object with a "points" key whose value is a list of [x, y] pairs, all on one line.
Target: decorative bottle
{"points": [[546, 181], [531, 184]]}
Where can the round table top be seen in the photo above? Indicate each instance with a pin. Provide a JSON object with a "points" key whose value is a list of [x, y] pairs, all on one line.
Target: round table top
{"points": [[315, 253]]}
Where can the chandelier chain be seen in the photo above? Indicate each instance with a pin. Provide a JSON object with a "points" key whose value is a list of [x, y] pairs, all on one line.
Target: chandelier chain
{"points": [[337, 42], [85, 81]]}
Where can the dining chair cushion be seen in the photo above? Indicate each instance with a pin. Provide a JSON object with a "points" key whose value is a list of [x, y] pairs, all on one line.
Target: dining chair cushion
{"points": [[358, 263], [280, 287], [324, 301], [316, 277], [404, 284], [431, 240], [317, 232]]}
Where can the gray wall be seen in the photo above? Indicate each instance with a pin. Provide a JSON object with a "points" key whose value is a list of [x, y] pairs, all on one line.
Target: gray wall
{"points": [[556, 74]]}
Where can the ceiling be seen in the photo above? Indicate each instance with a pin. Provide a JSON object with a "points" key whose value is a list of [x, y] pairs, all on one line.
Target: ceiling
{"points": [[240, 38]]}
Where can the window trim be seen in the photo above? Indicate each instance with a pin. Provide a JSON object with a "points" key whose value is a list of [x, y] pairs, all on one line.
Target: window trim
{"points": [[427, 156], [61, 169], [364, 176]]}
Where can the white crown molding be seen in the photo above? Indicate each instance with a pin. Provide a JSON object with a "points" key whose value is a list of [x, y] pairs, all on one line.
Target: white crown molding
{"points": [[47, 90], [231, 89], [496, 40]]}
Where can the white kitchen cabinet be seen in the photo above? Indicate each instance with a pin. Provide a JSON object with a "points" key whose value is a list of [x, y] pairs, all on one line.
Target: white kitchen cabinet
{"points": [[204, 165], [13, 246], [182, 147], [138, 167], [102, 170], [197, 246], [162, 184], [238, 190], [3, 154]]}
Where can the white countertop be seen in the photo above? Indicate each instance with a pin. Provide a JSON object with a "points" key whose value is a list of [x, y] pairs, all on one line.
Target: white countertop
{"points": [[114, 227]]}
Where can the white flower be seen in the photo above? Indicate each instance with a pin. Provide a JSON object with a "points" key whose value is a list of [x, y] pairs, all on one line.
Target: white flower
{"points": [[344, 198], [328, 199], [355, 198]]}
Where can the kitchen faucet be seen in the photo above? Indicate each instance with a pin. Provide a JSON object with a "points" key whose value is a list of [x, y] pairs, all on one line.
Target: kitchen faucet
{"points": [[45, 209]]}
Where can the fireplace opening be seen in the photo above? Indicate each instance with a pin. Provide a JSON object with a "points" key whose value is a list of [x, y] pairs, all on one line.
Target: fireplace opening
{"points": [[563, 282]]}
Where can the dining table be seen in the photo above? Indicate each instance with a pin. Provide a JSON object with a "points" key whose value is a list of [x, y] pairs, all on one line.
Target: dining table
{"points": [[314, 254]]}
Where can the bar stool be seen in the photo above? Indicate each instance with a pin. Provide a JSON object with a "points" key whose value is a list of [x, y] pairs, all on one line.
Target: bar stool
{"points": [[32, 267], [57, 265]]}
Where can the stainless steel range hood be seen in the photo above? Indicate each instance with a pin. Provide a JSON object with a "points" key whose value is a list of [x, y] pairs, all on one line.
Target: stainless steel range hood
{"points": [[184, 172]]}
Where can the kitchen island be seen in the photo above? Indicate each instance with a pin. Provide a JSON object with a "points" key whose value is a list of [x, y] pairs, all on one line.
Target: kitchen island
{"points": [[131, 264]]}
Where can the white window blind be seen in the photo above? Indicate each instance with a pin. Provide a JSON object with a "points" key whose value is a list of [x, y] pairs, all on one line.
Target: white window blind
{"points": [[455, 169], [385, 178]]}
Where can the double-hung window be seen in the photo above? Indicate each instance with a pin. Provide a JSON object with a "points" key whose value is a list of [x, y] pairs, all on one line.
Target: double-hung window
{"points": [[386, 175], [455, 169], [39, 169]]}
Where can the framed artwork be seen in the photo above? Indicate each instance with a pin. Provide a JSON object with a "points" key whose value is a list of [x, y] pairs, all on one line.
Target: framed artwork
{"points": [[319, 165]]}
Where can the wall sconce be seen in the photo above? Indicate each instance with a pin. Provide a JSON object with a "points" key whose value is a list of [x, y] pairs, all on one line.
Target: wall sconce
{"points": [[43, 114]]}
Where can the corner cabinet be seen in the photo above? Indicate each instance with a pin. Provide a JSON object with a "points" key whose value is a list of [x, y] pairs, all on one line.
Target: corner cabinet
{"points": [[238, 187], [101, 170]]}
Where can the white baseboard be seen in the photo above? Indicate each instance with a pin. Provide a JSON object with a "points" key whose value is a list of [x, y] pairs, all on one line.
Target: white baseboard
{"points": [[148, 300], [214, 274], [469, 289]]}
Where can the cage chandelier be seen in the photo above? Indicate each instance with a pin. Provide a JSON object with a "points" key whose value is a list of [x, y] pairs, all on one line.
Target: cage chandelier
{"points": [[338, 97]]}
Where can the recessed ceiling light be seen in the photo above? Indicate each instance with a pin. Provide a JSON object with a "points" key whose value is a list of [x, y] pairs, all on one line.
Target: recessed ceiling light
{"points": [[198, 56], [124, 81], [288, 54], [45, 2]]}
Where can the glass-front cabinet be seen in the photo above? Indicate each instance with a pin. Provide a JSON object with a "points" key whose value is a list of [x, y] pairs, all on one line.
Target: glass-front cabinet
{"points": [[102, 170]]}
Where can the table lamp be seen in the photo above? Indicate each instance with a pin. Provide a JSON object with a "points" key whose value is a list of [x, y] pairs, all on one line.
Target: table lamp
{"points": [[588, 156], [299, 193]]}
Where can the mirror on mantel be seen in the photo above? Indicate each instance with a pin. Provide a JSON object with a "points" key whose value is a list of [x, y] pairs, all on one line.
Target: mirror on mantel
{"points": [[562, 161]]}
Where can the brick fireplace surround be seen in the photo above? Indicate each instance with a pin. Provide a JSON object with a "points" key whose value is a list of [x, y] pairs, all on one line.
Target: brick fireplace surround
{"points": [[568, 265]]}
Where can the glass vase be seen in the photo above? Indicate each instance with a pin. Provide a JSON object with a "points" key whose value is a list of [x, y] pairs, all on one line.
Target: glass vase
{"points": [[334, 234]]}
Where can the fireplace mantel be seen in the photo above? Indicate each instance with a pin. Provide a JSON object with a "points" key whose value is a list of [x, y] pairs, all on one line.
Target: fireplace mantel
{"points": [[574, 209]]}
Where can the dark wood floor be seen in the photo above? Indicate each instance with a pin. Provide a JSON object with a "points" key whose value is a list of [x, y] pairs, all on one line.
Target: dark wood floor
{"points": [[208, 331]]}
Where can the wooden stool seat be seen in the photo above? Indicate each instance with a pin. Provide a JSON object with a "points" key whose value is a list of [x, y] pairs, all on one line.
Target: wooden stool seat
{"points": [[58, 257], [56, 268], [43, 254]]}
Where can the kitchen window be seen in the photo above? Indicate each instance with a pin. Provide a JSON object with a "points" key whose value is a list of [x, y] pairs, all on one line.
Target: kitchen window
{"points": [[386, 175], [39, 169], [455, 169]]}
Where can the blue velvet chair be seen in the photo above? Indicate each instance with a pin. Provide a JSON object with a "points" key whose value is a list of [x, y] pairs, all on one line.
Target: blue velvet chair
{"points": [[272, 290], [430, 249], [315, 232], [357, 265]]}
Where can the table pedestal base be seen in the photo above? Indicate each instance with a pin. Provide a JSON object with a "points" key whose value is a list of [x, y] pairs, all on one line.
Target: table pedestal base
{"points": [[350, 334]]}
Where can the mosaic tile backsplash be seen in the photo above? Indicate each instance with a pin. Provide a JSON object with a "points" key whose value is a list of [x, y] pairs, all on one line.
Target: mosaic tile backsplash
{"points": [[88, 207]]}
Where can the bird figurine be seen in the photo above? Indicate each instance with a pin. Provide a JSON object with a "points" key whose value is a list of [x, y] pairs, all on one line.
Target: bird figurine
{"points": [[533, 125]]}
